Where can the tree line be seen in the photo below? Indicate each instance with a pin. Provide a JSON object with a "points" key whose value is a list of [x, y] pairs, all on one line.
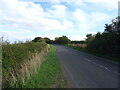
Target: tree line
{"points": [[58, 40], [64, 40], [107, 42]]}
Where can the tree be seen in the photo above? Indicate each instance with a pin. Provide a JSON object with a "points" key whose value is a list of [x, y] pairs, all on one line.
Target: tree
{"points": [[90, 37], [108, 28], [38, 39], [48, 40], [108, 42], [62, 40]]}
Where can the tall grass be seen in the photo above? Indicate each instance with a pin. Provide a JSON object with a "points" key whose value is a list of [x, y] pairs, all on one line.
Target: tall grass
{"points": [[49, 74], [20, 60]]}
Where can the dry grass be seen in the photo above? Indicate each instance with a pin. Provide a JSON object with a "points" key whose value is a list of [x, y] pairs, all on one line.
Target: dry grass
{"points": [[78, 45], [18, 76]]}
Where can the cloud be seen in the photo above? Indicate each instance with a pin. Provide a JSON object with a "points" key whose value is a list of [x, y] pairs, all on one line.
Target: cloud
{"points": [[22, 19], [104, 4], [58, 11], [76, 37], [7, 35], [20, 15], [109, 4], [88, 21]]}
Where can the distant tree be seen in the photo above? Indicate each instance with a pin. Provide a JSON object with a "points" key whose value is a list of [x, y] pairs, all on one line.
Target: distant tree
{"points": [[62, 40], [89, 35], [38, 39], [48, 40], [89, 38]]}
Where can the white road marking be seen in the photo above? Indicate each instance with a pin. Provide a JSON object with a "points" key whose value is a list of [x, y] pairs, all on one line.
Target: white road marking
{"points": [[102, 66], [106, 68], [89, 60], [97, 64], [93, 62]]}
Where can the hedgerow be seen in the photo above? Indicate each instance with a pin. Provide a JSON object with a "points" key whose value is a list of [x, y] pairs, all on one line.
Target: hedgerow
{"points": [[18, 55]]}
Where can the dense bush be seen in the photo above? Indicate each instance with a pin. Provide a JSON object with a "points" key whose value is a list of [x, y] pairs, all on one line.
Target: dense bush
{"points": [[13, 56], [106, 43], [37, 39], [48, 40], [62, 40], [77, 42]]}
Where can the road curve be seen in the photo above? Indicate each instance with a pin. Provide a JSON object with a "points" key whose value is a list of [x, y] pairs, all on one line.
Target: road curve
{"points": [[87, 71]]}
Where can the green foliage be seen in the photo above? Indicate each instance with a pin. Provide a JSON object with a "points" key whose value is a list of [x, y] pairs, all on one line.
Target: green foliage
{"points": [[108, 28], [37, 39], [48, 40], [106, 43], [77, 48], [94, 53], [13, 55], [90, 37], [46, 73], [78, 42], [62, 40]]}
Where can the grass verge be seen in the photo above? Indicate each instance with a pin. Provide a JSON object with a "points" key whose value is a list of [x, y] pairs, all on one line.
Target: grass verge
{"points": [[96, 54], [49, 74]]}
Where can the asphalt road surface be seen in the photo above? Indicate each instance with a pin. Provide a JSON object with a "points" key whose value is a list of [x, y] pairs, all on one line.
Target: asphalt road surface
{"points": [[87, 71]]}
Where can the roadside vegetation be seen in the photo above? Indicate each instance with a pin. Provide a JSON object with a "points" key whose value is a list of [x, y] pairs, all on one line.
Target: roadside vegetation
{"points": [[27, 65], [20, 60], [32, 64], [104, 44], [49, 74]]}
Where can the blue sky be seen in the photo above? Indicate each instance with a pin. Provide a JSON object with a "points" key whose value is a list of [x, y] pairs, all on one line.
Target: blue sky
{"points": [[26, 19]]}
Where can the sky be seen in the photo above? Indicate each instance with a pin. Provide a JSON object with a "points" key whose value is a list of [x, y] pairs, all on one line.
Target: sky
{"points": [[27, 19]]}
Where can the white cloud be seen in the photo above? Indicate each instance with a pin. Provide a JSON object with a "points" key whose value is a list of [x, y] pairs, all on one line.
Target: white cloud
{"points": [[12, 35], [24, 35], [104, 4], [58, 11], [19, 15], [80, 15], [109, 4], [88, 21], [76, 37]]}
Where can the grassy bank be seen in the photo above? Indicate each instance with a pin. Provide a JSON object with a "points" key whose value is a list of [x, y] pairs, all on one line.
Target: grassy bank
{"points": [[48, 75], [96, 54]]}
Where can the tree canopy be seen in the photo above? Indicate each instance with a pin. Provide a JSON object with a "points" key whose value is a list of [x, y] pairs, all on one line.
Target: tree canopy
{"points": [[62, 40], [107, 42]]}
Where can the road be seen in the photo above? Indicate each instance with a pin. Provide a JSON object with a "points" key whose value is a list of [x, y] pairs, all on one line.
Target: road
{"points": [[87, 71]]}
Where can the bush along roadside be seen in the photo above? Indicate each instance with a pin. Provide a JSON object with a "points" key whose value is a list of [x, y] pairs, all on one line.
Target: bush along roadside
{"points": [[20, 61], [49, 74]]}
